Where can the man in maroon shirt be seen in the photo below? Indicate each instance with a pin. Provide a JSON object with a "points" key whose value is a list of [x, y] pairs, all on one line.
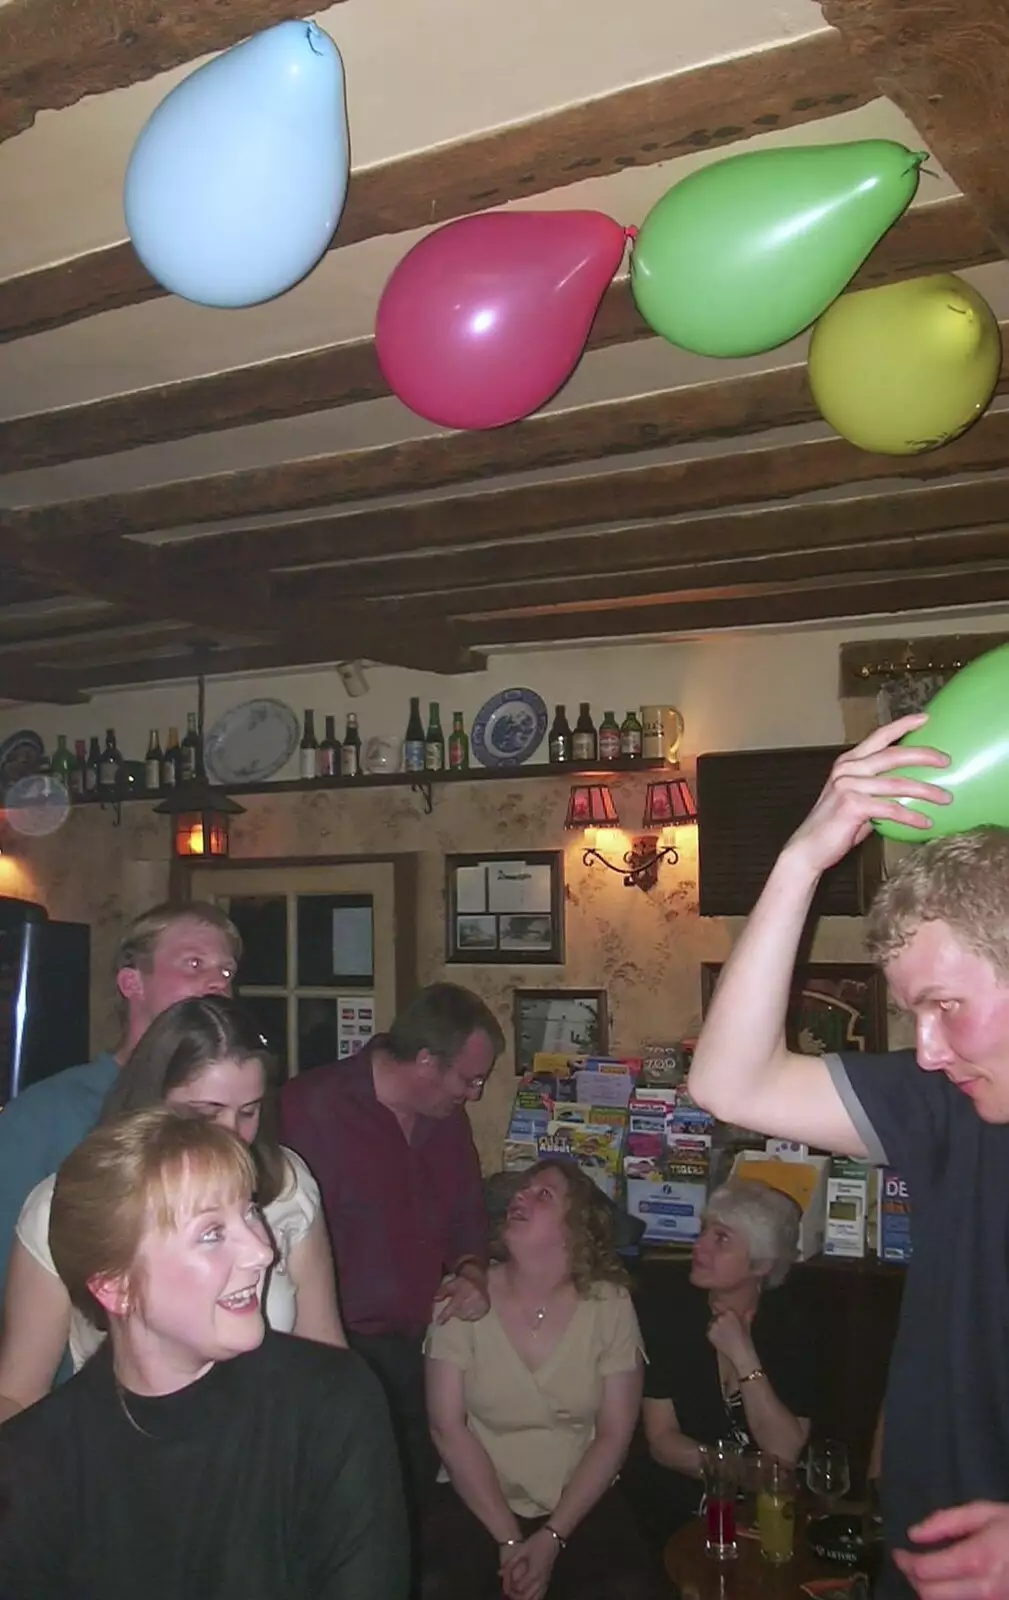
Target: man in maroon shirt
{"points": [[388, 1139]]}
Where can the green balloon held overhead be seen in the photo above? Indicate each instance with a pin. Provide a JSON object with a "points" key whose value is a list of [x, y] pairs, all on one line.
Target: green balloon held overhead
{"points": [[969, 721], [742, 255]]}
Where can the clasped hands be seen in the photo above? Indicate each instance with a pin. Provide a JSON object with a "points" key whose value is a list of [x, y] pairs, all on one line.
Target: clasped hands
{"points": [[526, 1567]]}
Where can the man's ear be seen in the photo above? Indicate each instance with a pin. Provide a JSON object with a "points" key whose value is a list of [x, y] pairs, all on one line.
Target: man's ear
{"points": [[130, 983], [112, 1292]]}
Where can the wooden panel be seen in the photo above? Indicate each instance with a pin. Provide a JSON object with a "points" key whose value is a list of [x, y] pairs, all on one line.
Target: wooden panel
{"points": [[53, 54], [749, 803]]}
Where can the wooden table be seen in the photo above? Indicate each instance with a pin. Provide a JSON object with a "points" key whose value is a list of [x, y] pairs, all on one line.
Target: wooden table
{"points": [[700, 1577]]}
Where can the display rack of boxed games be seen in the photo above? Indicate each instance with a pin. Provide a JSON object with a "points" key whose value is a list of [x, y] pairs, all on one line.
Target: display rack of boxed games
{"points": [[574, 1106]]}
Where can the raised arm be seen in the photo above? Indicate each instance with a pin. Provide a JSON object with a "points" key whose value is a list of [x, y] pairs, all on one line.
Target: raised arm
{"points": [[742, 1070], [36, 1327]]}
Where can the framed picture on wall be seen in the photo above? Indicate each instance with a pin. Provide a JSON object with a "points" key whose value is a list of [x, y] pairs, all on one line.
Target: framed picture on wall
{"points": [[834, 1006], [506, 907], [567, 1022]]}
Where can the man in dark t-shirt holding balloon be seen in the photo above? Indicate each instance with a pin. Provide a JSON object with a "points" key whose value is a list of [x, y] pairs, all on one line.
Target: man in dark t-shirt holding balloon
{"points": [[940, 1113]]}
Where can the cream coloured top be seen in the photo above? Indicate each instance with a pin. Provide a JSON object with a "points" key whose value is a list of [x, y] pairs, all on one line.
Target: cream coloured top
{"points": [[536, 1426], [289, 1218]]}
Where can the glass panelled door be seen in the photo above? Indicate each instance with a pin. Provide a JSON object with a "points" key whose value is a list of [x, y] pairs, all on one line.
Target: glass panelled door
{"points": [[319, 962]]}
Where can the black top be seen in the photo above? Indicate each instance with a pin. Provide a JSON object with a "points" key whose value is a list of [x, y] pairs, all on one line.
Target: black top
{"points": [[683, 1364], [946, 1439], [274, 1477]]}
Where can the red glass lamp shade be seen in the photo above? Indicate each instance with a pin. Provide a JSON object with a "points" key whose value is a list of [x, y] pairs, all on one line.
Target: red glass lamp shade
{"points": [[669, 804], [591, 806]]}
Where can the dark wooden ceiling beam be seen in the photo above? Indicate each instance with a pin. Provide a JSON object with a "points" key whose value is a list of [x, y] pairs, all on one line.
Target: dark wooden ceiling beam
{"points": [[704, 483], [943, 62], [439, 650], [21, 680], [944, 236], [53, 52], [703, 108], [221, 615], [911, 553], [879, 596], [722, 409], [638, 548]]}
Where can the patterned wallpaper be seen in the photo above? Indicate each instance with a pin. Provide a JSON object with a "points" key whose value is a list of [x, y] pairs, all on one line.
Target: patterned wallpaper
{"points": [[644, 949]]}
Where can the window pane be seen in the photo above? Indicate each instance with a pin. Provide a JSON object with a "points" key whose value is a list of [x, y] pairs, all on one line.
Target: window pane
{"points": [[317, 1040], [335, 941], [262, 922], [270, 1012]]}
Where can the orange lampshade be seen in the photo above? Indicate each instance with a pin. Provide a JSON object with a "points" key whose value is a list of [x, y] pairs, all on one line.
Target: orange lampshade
{"points": [[669, 804], [591, 806]]}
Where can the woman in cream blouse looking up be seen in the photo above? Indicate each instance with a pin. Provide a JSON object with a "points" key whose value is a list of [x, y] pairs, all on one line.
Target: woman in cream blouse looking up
{"points": [[532, 1410], [204, 1056]]}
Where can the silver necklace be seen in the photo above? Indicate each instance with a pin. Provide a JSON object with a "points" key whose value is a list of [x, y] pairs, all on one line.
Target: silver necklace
{"points": [[127, 1413], [539, 1316]]}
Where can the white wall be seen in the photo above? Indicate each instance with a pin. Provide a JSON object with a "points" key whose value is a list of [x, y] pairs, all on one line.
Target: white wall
{"points": [[739, 691]]}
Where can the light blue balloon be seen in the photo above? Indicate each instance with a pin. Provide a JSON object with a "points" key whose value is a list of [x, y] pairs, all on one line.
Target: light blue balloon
{"points": [[238, 179]]}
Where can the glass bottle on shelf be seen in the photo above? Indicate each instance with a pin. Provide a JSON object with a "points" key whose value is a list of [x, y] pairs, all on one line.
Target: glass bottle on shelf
{"points": [[559, 738], [329, 760], [350, 750], [191, 758], [583, 740], [94, 761], [630, 736], [308, 750], [78, 769], [171, 761], [458, 745], [609, 738], [62, 762], [110, 766], [414, 743], [152, 763], [434, 741]]}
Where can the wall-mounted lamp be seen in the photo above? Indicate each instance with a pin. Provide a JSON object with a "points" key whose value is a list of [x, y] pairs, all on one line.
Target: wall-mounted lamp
{"points": [[668, 804], [199, 812]]}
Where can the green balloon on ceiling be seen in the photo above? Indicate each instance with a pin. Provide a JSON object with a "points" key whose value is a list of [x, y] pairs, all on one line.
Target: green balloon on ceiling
{"points": [[742, 255]]}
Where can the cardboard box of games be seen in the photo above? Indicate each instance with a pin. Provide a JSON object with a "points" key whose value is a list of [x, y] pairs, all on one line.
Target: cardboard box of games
{"points": [[803, 1177], [848, 1192], [668, 1191], [893, 1216]]}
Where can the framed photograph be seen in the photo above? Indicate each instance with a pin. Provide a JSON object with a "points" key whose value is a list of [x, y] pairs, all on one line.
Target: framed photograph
{"points": [[505, 908], [568, 1022], [835, 1006]]}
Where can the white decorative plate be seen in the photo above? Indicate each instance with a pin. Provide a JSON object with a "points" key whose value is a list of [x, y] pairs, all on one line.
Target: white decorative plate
{"points": [[251, 742]]}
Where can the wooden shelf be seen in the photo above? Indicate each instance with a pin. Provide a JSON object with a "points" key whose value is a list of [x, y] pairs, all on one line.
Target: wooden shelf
{"points": [[411, 780]]}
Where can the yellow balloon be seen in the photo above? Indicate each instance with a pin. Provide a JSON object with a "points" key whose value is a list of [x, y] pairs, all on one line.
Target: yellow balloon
{"points": [[907, 367]]}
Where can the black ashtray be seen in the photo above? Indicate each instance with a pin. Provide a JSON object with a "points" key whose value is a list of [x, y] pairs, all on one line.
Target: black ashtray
{"points": [[840, 1539]]}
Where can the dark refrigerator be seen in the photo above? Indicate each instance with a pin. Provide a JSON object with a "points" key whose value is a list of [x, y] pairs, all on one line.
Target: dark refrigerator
{"points": [[45, 970]]}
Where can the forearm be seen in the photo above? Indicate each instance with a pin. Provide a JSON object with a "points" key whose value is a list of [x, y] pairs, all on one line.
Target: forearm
{"points": [[475, 1481], [675, 1450], [590, 1480], [772, 1426], [744, 1032]]}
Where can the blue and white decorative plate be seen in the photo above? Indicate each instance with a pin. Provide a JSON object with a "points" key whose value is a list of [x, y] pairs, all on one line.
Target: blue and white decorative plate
{"points": [[509, 728]]}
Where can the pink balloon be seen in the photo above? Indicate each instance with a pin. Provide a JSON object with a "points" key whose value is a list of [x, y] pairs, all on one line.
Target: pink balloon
{"points": [[486, 318]]}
